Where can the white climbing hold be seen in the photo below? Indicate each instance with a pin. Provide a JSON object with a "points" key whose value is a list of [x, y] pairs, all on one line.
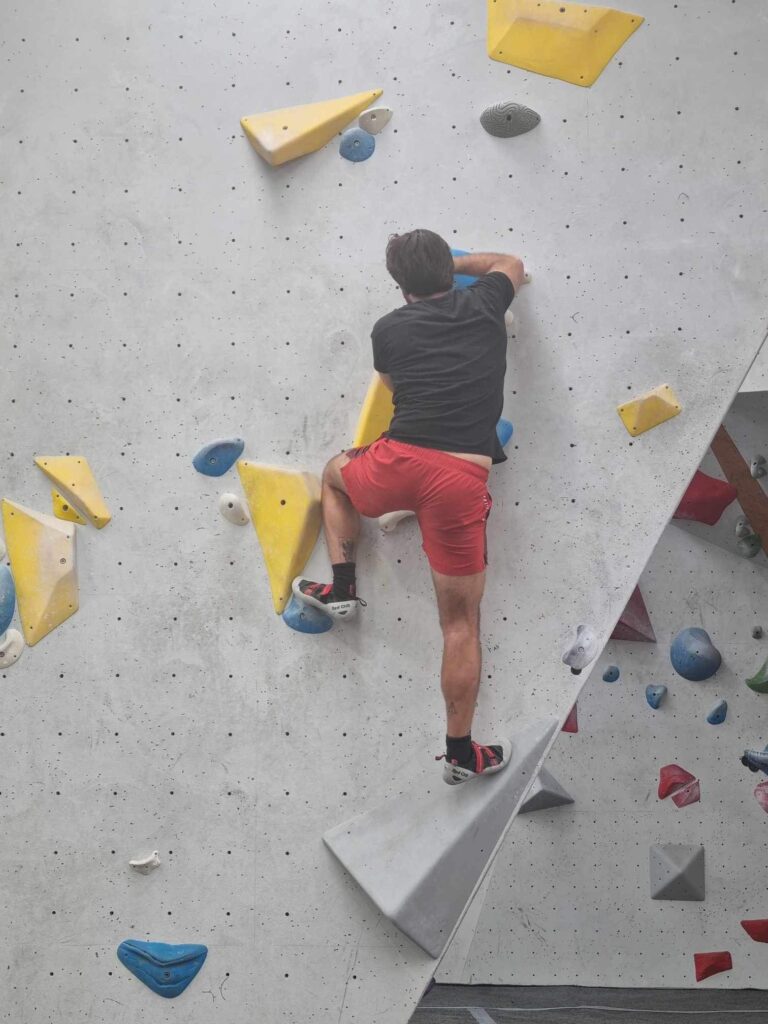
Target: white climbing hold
{"points": [[11, 647], [233, 508], [374, 119], [390, 520], [146, 864], [757, 468], [582, 651]]}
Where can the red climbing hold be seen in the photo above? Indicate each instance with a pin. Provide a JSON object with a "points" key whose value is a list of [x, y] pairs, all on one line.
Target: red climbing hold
{"points": [[635, 623], [761, 795], [706, 499], [673, 778], [708, 964], [572, 721], [757, 929], [690, 794]]}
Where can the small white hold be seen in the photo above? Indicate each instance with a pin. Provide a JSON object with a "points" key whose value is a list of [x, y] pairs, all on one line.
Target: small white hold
{"points": [[11, 647], [146, 864], [582, 651], [374, 119], [233, 508], [757, 468], [509, 318], [743, 529], [390, 520]]}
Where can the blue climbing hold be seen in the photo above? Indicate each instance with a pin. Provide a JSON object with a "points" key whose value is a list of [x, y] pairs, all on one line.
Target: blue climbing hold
{"points": [[216, 458], [693, 655], [7, 598], [462, 280], [166, 969], [611, 674], [504, 431], [305, 618], [356, 145], [718, 712], [655, 695]]}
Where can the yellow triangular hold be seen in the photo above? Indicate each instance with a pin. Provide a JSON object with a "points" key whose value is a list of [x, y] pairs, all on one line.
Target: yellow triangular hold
{"points": [[285, 510], [63, 510], [376, 413], [649, 410], [572, 42], [283, 135], [76, 483], [42, 555]]}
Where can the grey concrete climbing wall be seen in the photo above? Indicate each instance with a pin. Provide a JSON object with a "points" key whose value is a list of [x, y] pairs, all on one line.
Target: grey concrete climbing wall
{"points": [[165, 287], [569, 898]]}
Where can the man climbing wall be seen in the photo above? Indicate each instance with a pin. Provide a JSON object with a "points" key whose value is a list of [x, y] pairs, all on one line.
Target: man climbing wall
{"points": [[443, 357]]}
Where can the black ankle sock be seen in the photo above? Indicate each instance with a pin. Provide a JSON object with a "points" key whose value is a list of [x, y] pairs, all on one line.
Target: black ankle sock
{"points": [[343, 580], [459, 749]]}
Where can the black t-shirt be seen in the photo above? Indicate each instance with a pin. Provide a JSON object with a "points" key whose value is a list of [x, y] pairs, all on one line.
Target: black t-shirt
{"points": [[447, 358]]}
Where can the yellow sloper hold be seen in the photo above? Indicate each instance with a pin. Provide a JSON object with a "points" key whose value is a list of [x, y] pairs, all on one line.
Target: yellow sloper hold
{"points": [[285, 510], [63, 510], [42, 555], [572, 42], [77, 485], [376, 413], [282, 135], [649, 410]]}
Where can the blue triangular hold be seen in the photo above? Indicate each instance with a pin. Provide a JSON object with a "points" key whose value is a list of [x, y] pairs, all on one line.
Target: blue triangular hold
{"points": [[215, 458], [655, 695], [504, 432], [305, 618], [166, 969]]}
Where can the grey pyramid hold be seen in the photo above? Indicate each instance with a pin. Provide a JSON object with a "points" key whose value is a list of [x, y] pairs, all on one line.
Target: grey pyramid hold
{"points": [[677, 872], [545, 793]]}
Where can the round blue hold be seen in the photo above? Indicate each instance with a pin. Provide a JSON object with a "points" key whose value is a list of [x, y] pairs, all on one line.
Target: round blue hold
{"points": [[305, 618], [693, 655], [504, 431], [717, 714], [655, 695], [611, 674], [7, 598], [356, 145]]}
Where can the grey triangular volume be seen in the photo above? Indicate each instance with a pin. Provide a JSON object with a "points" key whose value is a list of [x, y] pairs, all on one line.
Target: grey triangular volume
{"points": [[545, 793], [677, 872]]}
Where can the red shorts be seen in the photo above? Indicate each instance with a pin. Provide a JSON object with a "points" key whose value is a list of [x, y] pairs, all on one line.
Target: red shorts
{"points": [[449, 496]]}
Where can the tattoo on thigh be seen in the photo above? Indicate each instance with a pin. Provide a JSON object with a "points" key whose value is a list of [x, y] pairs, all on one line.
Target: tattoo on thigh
{"points": [[451, 709], [347, 549]]}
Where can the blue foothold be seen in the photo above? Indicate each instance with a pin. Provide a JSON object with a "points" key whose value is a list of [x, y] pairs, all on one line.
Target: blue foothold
{"points": [[7, 598], [655, 695], [356, 145], [305, 618], [462, 280], [693, 655], [717, 714], [504, 431], [166, 969], [611, 674], [216, 458]]}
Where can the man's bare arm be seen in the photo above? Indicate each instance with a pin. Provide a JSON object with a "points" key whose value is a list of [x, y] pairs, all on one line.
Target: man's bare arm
{"points": [[478, 263]]}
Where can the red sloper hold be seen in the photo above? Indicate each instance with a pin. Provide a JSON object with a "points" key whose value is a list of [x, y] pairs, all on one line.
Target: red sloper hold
{"points": [[706, 499], [635, 623], [761, 795], [572, 721], [757, 929], [690, 794], [708, 964], [673, 778]]}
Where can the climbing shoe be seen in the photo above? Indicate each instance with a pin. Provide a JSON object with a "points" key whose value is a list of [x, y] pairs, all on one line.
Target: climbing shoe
{"points": [[485, 761], [755, 760], [320, 595]]}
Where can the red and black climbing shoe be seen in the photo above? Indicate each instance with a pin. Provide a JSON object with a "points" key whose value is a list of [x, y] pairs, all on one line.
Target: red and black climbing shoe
{"points": [[485, 761], [321, 595]]}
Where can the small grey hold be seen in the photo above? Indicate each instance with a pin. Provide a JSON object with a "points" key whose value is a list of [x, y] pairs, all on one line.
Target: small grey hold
{"points": [[757, 468], [757, 632], [505, 120]]}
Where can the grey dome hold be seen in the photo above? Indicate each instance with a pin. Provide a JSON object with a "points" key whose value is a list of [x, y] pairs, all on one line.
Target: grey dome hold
{"points": [[504, 120]]}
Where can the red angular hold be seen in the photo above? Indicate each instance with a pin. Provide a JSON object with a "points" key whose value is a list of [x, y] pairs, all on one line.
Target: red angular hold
{"points": [[706, 499], [572, 721], [635, 623], [756, 929], [690, 794], [673, 778], [708, 964]]}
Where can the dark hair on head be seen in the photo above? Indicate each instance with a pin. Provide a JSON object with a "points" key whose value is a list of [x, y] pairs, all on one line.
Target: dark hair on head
{"points": [[421, 262]]}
